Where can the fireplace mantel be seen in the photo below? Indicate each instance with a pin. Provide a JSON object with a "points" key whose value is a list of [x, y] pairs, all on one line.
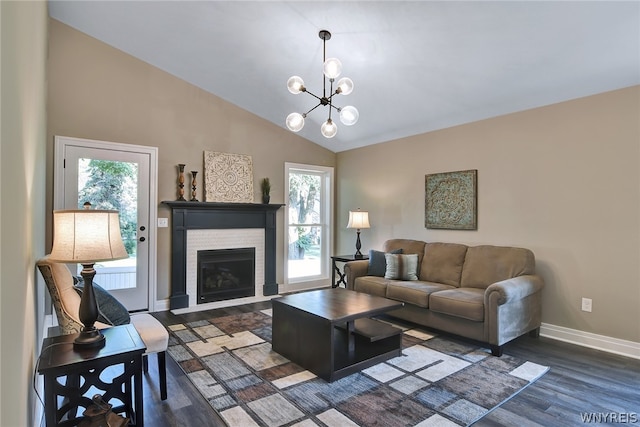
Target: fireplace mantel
{"points": [[214, 215]]}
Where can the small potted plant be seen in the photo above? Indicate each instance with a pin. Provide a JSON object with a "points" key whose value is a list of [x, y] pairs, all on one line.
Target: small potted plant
{"points": [[265, 186]]}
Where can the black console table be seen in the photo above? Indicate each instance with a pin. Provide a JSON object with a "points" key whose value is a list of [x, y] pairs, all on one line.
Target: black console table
{"points": [[84, 369]]}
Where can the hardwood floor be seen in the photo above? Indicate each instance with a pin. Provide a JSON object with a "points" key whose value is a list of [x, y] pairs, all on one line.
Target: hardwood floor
{"points": [[581, 381], [184, 406]]}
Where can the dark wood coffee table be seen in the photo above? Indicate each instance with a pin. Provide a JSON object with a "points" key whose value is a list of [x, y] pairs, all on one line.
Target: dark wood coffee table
{"points": [[330, 333]]}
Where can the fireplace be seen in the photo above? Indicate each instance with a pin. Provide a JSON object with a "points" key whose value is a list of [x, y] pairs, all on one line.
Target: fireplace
{"points": [[226, 274], [203, 226]]}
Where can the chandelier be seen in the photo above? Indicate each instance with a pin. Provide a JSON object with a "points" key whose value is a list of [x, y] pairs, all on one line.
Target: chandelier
{"points": [[332, 68]]}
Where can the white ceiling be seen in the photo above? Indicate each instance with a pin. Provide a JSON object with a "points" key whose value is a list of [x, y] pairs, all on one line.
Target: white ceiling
{"points": [[417, 66]]}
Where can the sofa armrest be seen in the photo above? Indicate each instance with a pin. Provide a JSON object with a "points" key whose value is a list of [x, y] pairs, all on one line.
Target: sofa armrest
{"points": [[514, 289], [354, 269]]}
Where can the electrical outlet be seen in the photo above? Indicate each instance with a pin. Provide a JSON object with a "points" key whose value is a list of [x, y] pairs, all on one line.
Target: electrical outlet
{"points": [[586, 304], [163, 222]]}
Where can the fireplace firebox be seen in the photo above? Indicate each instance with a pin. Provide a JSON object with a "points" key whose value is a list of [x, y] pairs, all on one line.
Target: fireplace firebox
{"points": [[226, 274]]}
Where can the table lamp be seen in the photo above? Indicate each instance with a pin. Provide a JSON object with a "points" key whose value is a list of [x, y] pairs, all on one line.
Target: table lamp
{"points": [[86, 237], [358, 219]]}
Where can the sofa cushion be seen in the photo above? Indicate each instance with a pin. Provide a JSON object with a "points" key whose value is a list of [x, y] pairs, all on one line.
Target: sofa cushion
{"points": [[371, 285], [467, 303], [401, 267], [414, 292], [442, 263], [377, 262], [485, 265], [408, 246]]}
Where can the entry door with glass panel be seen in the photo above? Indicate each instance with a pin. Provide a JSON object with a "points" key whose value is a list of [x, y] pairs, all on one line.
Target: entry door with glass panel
{"points": [[114, 180]]}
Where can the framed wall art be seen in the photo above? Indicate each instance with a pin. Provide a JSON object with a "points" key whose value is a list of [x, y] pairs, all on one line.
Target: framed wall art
{"points": [[228, 177], [451, 200]]}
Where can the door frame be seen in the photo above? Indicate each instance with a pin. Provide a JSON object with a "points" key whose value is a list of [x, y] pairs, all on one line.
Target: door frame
{"points": [[60, 143]]}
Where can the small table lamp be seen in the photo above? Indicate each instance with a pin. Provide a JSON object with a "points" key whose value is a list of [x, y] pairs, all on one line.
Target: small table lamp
{"points": [[86, 237], [358, 219]]}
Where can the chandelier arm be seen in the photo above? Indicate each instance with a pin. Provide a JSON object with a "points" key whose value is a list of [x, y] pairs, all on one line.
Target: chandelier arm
{"points": [[315, 96], [313, 109], [330, 98], [333, 94]]}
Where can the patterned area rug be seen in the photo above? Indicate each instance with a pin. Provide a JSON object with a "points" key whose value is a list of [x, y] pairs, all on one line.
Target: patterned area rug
{"points": [[437, 381]]}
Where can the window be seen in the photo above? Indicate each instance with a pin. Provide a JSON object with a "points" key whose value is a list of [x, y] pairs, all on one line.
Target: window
{"points": [[308, 224]]}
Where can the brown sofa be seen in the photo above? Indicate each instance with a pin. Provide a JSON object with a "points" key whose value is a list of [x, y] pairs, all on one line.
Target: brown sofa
{"points": [[486, 293]]}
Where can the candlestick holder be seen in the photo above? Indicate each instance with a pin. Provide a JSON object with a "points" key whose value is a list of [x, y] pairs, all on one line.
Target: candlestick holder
{"points": [[193, 186], [181, 183]]}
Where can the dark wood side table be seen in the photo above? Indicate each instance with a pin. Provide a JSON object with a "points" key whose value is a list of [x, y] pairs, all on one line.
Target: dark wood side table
{"points": [[335, 270], [70, 374]]}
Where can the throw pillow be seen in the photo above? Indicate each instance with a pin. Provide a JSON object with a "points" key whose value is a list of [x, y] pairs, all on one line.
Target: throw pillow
{"points": [[377, 263], [110, 310], [401, 267]]}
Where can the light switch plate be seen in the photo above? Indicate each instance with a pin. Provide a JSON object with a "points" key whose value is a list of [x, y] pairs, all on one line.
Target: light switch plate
{"points": [[163, 222]]}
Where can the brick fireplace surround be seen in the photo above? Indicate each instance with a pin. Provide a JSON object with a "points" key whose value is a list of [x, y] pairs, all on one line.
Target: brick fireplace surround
{"points": [[218, 216]]}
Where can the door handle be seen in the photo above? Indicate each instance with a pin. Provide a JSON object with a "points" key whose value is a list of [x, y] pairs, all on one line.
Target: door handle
{"points": [[142, 239]]}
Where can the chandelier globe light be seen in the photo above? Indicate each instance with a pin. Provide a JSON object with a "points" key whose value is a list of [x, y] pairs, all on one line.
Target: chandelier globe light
{"points": [[331, 68], [295, 84], [295, 122], [329, 129]]}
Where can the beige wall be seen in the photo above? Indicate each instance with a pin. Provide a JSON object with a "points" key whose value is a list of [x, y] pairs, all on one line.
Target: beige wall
{"points": [[98, 92], [562, 180], [22, 181]]}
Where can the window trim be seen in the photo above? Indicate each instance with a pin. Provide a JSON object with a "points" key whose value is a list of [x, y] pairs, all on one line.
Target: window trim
{"points": [[327, 209]]}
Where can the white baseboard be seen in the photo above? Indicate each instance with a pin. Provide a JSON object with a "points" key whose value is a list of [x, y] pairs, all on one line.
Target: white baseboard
{"points": [[303, 286], [164, 304], [223, 304], [587, 339], [161, 305]]}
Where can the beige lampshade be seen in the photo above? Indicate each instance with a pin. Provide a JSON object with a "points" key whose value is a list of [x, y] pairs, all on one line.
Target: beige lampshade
{"points": [[86, 236], [358, 219]]}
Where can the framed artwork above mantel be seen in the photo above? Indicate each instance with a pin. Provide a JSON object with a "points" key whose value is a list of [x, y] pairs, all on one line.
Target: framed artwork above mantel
{"points": [[228, 177], [451, 200]]}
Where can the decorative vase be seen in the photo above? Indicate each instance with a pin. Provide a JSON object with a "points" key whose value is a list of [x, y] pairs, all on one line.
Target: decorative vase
{"points": [[181, 183], [266, 198], [193, 186]]}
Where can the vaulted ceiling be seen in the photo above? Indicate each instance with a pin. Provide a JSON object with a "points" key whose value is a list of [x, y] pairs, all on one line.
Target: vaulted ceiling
{"points": [[417, 66]]}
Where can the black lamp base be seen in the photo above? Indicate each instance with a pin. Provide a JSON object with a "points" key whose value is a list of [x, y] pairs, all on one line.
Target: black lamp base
{"points": [[358, 254], [90, 336], [89, 339]]}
